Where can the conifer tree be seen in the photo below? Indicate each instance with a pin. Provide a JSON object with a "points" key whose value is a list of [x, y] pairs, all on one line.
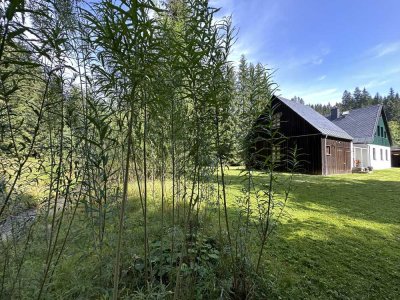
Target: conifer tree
{"points": [[347, 100], [357, 96]]}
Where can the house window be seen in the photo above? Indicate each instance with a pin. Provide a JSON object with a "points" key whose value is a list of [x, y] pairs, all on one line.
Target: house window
{"points": [[385, 134], [381, 131], [373, 153], [328, 150], [378, 130], [276, 120], [381, 154], [386, 153]]}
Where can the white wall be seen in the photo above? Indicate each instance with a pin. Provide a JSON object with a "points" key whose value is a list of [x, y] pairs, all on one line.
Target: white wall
{"points": [[379, 163]]}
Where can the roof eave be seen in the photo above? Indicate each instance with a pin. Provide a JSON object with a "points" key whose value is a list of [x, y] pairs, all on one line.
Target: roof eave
{"points": [[322, 133]]}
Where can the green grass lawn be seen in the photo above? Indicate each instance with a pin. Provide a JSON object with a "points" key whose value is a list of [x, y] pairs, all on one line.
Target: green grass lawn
{"points": [[341, 239]]}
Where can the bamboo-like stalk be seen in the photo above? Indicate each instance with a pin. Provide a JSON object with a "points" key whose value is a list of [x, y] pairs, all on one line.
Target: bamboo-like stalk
{"points": [[146, 255], [124, 200], [50, 251]]}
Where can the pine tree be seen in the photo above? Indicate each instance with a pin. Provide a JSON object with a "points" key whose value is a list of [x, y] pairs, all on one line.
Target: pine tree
{"points": [[357, 95], [298, 99], [365, 98], [347, 100], [377, 99], [391, 95]]}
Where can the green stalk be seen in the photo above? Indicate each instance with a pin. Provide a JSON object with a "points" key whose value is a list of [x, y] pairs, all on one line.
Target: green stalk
{"points": [[123, 207]]}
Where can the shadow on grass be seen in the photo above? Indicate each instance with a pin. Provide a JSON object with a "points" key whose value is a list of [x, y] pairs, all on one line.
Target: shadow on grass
{"points": [[306, 257], [366, 198], [341, 263]]}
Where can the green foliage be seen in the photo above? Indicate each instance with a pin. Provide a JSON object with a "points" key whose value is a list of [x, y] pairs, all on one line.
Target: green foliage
{"points": [[195, 261], [254, 88], [395, 131]]}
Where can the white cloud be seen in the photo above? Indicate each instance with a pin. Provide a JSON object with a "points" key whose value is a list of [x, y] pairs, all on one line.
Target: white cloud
{"points": [[253, 39], [322, 77], [384, 49], [314, 59], [239, 49], [375, 83]]}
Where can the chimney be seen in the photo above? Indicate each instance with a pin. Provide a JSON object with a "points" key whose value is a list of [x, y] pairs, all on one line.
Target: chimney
{"points": [[335, 113]]}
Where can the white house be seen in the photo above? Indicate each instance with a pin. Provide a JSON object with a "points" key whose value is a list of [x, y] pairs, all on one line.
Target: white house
{"points": [[371, 136]]}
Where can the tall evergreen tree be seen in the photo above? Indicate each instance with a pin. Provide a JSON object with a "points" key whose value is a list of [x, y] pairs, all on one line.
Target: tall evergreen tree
{"points": [[377, 99], [357, 96], [298, 99], [365, 98], [347, 100]]}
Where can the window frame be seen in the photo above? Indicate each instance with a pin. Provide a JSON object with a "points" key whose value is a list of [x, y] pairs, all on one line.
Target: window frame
{"points": [[328, 150]]}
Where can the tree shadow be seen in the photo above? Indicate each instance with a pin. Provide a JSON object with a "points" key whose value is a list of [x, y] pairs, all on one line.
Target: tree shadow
{"points": [[317, 259], [353, 197]]}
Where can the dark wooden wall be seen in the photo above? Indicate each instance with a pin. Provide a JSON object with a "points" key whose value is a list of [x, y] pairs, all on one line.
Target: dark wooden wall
{"points": [[309, 153], [310, 144], [339, 160], [298, 132]]}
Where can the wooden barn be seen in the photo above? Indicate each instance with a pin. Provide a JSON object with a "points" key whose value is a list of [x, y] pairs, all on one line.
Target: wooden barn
{"points": [[324, 148]]}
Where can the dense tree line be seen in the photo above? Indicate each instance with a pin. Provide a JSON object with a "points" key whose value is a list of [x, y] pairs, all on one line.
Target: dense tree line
{"points": [[362, 98]]}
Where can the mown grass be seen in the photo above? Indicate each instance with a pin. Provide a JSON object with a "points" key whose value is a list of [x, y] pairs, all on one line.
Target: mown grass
{"points": [[340, 239]]}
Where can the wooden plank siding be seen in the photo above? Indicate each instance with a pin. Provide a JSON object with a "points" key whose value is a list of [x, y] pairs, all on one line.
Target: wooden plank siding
{"points": [[298, 132], [338, 161], [309, 150], [309, 141]]}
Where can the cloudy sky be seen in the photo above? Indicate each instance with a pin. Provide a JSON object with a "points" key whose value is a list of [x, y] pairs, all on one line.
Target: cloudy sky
{"points": [[319, 48]]}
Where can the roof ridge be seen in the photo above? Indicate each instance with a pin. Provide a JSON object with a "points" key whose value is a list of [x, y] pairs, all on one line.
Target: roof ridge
{"points": [[369, 106], [315, 119]]}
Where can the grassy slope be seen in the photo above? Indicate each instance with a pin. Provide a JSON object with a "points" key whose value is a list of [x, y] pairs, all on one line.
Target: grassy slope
{"points": [[342, 238]]}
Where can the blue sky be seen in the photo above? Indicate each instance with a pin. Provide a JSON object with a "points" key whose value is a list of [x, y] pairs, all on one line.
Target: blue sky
{"points": [[319, 48]]}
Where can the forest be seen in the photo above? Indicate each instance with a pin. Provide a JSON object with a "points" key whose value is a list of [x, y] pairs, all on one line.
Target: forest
{"points": [[118, 123]]}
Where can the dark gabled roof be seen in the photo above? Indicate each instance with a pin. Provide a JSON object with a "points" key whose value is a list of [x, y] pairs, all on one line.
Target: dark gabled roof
{"points": [[319, 122], [361, 123]]}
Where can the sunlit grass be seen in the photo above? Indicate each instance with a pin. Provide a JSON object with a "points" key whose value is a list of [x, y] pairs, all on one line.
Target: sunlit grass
{"points": [[339, 239]]}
